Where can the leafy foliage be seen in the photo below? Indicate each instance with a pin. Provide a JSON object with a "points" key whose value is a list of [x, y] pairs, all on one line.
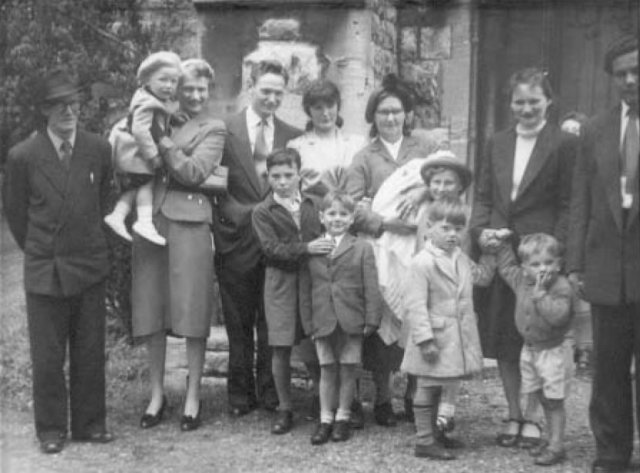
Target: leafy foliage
{"points": [[101, 42]]}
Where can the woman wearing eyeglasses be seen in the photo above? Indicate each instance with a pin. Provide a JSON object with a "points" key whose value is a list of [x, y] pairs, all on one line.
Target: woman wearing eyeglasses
{"points": [[389, 111]]}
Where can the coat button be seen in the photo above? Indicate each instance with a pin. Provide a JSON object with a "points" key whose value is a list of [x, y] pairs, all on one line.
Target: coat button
{"points": [[200, 201], [190, 197], [164, 179]]}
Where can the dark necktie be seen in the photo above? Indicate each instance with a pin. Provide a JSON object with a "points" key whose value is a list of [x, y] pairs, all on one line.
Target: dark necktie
{"points": [[260, 153], [631, 149], [65, 153]]}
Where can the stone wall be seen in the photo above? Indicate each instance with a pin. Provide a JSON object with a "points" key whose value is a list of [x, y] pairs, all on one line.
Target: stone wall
{"points": [[435, 57], [383, 16]]}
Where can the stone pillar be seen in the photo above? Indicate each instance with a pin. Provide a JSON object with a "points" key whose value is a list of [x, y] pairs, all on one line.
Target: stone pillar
{"points": [[354, 41]]}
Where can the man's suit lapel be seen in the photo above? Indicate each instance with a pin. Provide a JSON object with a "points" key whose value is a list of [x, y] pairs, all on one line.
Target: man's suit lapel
{"points": [[504, 152], [49, 163], [539, 156], [79, 170], [239, 138], [607, 156]]}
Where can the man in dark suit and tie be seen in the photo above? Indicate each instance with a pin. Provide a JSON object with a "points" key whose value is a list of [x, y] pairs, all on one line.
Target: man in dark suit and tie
{"points": [[604, 257], [252, 135], [55, 191]]}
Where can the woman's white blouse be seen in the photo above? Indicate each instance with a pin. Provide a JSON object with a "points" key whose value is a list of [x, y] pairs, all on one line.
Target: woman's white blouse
{"points": [[326, 159]]}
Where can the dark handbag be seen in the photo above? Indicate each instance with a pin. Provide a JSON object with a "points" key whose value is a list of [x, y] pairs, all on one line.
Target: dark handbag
{"points": [[216, 182]]}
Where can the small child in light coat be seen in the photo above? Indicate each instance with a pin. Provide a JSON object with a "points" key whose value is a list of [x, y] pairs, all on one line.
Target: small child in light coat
{"points": [[543, 316], [443, 345], [151, 105]]}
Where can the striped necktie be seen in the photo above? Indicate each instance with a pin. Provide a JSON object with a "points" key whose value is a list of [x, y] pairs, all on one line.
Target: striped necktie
{"points": [[65, 153], [260, 153]]}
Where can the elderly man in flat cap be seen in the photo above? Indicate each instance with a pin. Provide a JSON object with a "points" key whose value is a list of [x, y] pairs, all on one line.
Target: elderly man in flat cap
{"points": [[55, 188], [604, 257]]}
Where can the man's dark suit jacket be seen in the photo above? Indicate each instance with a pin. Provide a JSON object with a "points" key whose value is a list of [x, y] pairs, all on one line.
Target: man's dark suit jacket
{"points": [[232, 214], [603, 244], [55, 216]]}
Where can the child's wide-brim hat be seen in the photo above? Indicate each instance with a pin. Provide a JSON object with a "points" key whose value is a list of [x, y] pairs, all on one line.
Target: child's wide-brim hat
{"points": [[58, 86], [446, 159]]}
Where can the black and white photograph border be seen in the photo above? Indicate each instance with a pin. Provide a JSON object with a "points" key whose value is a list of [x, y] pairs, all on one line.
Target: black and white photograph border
{"points": [[456, 55]]}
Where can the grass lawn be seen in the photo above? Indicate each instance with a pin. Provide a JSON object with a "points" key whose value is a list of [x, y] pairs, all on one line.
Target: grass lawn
{"points": [[230, 445]]}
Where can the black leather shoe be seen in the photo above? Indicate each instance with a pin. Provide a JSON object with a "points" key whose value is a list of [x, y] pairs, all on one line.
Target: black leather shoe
{"points": [[322, 434], [283, 423], [96, 437], [450, 443], [434, 451], [151, 420], [341, 431], [188, 423], [239, 411], [356, 420], [52, 445], [383, 414]]}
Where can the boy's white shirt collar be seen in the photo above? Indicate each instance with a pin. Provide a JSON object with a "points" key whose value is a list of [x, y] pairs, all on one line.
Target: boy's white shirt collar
{"points": [[337, 239], [290, 203]]}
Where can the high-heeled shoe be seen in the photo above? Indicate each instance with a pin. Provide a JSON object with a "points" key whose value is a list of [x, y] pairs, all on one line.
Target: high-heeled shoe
{"points": [[151, 420], [188, 423]]}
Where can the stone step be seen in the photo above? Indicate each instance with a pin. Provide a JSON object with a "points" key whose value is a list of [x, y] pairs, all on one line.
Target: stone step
{"points": [[217, 356]]}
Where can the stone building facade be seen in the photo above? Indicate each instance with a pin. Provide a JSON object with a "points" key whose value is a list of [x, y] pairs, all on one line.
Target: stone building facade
{"points": [[458, 54]]}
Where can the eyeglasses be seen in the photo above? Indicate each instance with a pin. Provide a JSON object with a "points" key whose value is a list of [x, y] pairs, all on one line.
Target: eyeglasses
{"points": [[74, 106], [384, 112]]}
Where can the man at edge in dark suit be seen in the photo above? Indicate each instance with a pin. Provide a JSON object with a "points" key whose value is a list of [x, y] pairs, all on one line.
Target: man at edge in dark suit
{"points": [[604, 257], [55, 191], [252, 135]]}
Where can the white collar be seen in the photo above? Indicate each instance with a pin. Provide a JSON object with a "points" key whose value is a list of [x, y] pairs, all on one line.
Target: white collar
{"points": [[57, 140], [289, 202], [337, 239], [530, 133], [254, 119], [393, 148], [440, 252]]}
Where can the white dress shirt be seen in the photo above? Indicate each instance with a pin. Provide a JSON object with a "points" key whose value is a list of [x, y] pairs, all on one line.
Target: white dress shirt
{"points": [[57, 141], [627, 197], [253, 124], [393, 148]]}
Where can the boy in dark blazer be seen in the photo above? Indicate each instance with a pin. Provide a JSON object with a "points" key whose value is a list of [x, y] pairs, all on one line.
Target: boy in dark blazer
{"points": [[340, 305], [604, 257], [288, 228], [251, 136], [56, 186]]}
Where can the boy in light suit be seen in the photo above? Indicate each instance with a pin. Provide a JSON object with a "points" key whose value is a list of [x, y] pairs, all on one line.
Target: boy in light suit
{"points": [[340, 305]]}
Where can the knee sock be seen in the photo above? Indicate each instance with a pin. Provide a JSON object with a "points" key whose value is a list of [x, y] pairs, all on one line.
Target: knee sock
{"points": [[424, 415]]}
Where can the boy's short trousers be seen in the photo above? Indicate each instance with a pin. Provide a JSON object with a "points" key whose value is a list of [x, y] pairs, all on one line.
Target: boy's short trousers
{"points": [[339, 347], [549, 370]]}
